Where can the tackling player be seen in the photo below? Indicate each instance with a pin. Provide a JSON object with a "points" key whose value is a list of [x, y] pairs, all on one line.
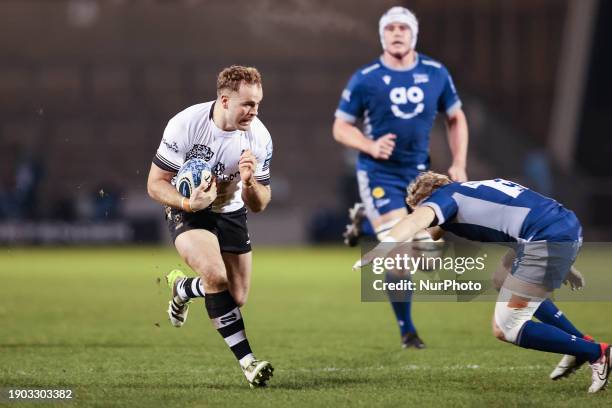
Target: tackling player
{"points": [[545, 238], [397, 96], [209, 229]]}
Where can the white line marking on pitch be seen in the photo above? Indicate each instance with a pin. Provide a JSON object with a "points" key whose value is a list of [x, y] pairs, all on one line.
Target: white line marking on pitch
{"points": [[413, 367]]}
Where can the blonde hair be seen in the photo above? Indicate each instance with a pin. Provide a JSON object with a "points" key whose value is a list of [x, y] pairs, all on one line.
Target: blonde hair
{"points": [[232, 77], [424, 185]]}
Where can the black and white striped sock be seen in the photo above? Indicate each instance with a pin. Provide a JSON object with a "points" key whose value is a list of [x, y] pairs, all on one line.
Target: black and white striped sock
{"points": [[189, 288], [227, 319]]}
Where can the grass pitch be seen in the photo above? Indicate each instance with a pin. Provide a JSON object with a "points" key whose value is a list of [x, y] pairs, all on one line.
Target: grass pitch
{"points": [[94, 321]]}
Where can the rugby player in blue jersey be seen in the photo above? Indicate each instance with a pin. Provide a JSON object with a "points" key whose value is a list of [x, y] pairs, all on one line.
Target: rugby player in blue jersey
{"points": [[544, 238], [397, 98]]}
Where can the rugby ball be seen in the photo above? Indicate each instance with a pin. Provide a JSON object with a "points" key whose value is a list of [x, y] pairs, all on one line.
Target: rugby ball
{"points": [[191, 174]]}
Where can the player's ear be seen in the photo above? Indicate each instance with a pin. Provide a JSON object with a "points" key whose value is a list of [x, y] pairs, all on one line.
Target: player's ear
{"points": [[225, 101]]}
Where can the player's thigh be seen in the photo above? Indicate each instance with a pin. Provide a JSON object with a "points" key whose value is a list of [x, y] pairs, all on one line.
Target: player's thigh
{"points": [[239, 267], [503, 269], [542, 265], [384, 198], [199, 249]]}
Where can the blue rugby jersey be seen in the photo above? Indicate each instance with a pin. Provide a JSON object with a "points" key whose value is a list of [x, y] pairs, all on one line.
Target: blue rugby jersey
{"points": [[403, 102], [501, 211]]}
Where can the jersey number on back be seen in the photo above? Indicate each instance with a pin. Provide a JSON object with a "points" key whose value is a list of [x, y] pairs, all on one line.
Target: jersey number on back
{"points": [[504, 186]]}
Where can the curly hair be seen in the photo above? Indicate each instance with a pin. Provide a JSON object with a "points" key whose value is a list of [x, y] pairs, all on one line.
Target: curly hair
{"points": [[232, 77], [424, 185]]}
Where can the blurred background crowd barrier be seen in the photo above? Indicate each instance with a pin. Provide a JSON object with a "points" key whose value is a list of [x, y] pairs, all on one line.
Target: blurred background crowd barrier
{"points": [[87, 86]]}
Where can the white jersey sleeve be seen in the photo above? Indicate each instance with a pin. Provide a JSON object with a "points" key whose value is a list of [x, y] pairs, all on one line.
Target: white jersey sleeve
{"points": [[262, 172], [262, 149], [173, 147]]}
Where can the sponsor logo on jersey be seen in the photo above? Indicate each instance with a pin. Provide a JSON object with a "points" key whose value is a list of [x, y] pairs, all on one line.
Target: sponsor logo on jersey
{"points": [[381, 203], [378, 192], [218, 169], [171, 146], [420, 78], [227, 178], [405, 96], [201, 152], [386, 79]]}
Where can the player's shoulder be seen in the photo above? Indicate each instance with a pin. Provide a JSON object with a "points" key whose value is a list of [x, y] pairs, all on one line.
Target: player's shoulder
{"points": [[432, 65], [259, 132], [450, 188], [260, 139], [365, 71], [446, 191], [193, 113]]}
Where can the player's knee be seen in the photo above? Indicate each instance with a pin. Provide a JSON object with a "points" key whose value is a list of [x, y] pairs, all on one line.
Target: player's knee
{"points": [[498, 280], [212, 273], [510, 317], [497, 332], [240, 298], [215, 281]]}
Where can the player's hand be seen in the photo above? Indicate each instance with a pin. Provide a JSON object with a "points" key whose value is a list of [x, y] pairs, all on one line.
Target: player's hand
{"points": [[203, 196], [247, 165], [379, 251], [457, 173], [574, 279], [382, 148]]}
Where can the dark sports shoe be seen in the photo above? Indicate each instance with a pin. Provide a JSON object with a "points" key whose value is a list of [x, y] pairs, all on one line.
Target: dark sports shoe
{"points": [[352, 231], [412, 340]]}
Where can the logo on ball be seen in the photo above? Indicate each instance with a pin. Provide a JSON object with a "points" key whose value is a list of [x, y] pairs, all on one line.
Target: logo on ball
{"points": [[191, 174]]}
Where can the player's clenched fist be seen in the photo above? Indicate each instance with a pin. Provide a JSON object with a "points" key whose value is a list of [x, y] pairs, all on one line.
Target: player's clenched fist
{"points": [[382, 148], [203, 196], [247, 165]]}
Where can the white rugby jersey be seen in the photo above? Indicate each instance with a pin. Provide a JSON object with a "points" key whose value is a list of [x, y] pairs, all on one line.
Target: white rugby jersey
{"points": [[192, 133]]}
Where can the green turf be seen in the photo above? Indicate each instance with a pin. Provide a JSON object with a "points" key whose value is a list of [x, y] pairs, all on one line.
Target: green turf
{"points": [[94, 321]]}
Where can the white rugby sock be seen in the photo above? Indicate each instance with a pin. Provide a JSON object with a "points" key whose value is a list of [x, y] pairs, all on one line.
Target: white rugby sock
{"points": [[189, 288]]}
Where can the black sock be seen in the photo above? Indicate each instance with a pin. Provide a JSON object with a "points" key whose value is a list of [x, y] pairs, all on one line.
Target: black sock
{"points": [[227, 319]]}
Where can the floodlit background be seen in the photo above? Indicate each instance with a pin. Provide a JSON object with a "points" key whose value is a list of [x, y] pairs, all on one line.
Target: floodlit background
{"points": [[86, 89], [87, 86]]}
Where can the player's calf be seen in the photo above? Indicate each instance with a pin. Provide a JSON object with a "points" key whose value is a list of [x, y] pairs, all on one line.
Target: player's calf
{"points": [[227, 319]]}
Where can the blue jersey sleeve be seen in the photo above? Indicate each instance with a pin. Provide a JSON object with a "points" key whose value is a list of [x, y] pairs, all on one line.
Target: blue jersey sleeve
{"points": [[448, 101], [352, 106], [443, 205]]}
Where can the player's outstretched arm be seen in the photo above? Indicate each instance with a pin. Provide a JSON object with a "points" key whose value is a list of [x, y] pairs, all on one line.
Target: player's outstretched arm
{"points": [[418, 220], [457, 131]]}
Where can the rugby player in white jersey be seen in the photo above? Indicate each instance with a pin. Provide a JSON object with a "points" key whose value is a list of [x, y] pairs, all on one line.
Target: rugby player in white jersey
{"points": [[209, 228]]}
